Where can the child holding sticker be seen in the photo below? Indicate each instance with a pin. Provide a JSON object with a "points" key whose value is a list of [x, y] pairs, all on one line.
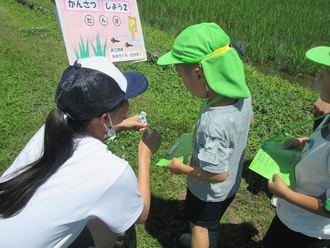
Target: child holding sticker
{"points": [[303, 213], [211, 69]]}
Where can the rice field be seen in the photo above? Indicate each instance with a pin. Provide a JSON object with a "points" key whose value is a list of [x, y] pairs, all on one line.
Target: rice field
{"points": [[277, 33]]}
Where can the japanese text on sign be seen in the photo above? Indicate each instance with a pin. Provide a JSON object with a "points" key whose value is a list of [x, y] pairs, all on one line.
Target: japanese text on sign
{"points": [[92, 5], [81, 5]]}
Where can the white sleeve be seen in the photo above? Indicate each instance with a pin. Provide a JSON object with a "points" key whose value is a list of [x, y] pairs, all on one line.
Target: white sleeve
{"points": [[121, 204], [31, 152]]}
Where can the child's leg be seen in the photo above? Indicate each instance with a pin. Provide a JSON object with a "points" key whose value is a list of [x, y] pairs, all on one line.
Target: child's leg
{"points": [[204, 217], [200, 238]]}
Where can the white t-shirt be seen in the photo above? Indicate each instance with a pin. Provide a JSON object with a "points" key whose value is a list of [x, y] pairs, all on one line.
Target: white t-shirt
{"points": [[93, 183], [312, 178]]}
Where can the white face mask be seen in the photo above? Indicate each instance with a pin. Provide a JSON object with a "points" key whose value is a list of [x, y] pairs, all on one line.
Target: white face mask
{"points": [[111, 133]]}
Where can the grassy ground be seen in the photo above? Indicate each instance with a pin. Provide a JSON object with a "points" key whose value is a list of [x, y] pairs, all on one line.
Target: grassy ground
{"points": [[32, 59]]}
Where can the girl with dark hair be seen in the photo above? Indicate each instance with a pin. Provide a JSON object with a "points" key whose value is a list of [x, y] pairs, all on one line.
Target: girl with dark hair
{"points": [[66, 188]]}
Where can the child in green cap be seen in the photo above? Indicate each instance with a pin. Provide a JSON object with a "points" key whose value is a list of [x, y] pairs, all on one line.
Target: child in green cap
{"points": [[303, 213], [211, 69]]}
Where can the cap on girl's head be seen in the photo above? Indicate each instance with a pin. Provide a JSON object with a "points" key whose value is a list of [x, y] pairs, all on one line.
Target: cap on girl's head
{"points": [[93, 86], [209, 45], [320, 54]]}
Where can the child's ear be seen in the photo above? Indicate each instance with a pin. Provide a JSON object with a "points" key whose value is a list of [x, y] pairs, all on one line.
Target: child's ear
{"points": [[199, 72], [104, 118]]}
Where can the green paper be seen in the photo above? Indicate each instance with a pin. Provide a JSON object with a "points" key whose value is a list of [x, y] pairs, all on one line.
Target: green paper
{"points": [[272, 158], [327, 204], [181, 149]]}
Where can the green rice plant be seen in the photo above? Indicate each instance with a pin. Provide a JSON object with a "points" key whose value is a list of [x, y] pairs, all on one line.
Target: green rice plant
{"points": [[98, 49], [269, 29]]}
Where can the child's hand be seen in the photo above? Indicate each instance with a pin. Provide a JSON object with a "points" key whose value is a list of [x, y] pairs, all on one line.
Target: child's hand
{"points": [[176, 166], [131, 123], [150, 143], [296, 143], [319, 108], [277, 186]]}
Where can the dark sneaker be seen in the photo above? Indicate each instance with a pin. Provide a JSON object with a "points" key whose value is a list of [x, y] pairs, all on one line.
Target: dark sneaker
{"points": [[185, 240]]}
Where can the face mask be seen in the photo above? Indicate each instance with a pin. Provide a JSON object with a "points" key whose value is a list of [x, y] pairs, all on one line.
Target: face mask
{"points": [[111, 133]]}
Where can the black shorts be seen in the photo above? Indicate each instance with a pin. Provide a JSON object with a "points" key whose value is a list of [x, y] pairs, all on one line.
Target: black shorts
{"points": [[279, 235], [205, 214]]}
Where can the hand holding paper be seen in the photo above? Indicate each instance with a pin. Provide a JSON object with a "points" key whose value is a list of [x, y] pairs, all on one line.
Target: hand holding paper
{"points": [[277, 186], [295, 143], [272, 158], [181, 150], [176, 166]]}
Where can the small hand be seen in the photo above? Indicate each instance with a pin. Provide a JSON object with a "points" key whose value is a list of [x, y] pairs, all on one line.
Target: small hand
{"points": [[296, 143], [150, 143], [131, 123], [176, 166], [277, 186], [320, 107]]}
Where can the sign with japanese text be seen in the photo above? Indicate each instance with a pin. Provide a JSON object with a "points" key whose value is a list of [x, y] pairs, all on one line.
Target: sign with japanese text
{"points": [[101, 28]]}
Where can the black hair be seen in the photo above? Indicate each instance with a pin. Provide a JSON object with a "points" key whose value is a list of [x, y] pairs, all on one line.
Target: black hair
{"points": [[59, 146]]}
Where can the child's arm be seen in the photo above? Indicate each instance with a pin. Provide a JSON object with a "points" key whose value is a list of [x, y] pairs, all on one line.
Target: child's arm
{"points": [[310, 203], [177, 167]]}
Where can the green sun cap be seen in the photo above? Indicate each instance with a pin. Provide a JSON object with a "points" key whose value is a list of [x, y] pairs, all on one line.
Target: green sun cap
{"points": [[194, 43], [209, 45], [320, 54]]}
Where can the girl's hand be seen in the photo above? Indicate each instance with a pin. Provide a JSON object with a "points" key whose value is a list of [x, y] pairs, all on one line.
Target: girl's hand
{"points": [[150, 143], [131, 123]]}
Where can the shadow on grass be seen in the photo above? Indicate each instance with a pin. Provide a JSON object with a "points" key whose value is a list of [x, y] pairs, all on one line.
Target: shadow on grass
{"points": [[256, 183], [166, 222], [238, 236]]}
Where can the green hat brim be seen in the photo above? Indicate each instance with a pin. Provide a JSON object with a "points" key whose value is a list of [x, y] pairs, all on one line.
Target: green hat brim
{"points": [[319, 55], [168, 59]]}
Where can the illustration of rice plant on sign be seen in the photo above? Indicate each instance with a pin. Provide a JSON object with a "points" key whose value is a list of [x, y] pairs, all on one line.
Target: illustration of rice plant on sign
{"points": [[99, 50], [83, 50]]}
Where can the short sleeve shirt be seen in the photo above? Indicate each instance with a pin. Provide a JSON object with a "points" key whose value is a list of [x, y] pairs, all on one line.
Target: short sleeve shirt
{"points": [[219, 144]]}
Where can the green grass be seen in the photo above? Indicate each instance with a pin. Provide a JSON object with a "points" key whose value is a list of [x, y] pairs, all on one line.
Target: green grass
{"points": [[33, 57]]}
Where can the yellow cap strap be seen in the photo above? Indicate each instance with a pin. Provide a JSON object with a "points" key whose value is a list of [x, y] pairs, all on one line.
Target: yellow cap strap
{"points": [[219, 51]]}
